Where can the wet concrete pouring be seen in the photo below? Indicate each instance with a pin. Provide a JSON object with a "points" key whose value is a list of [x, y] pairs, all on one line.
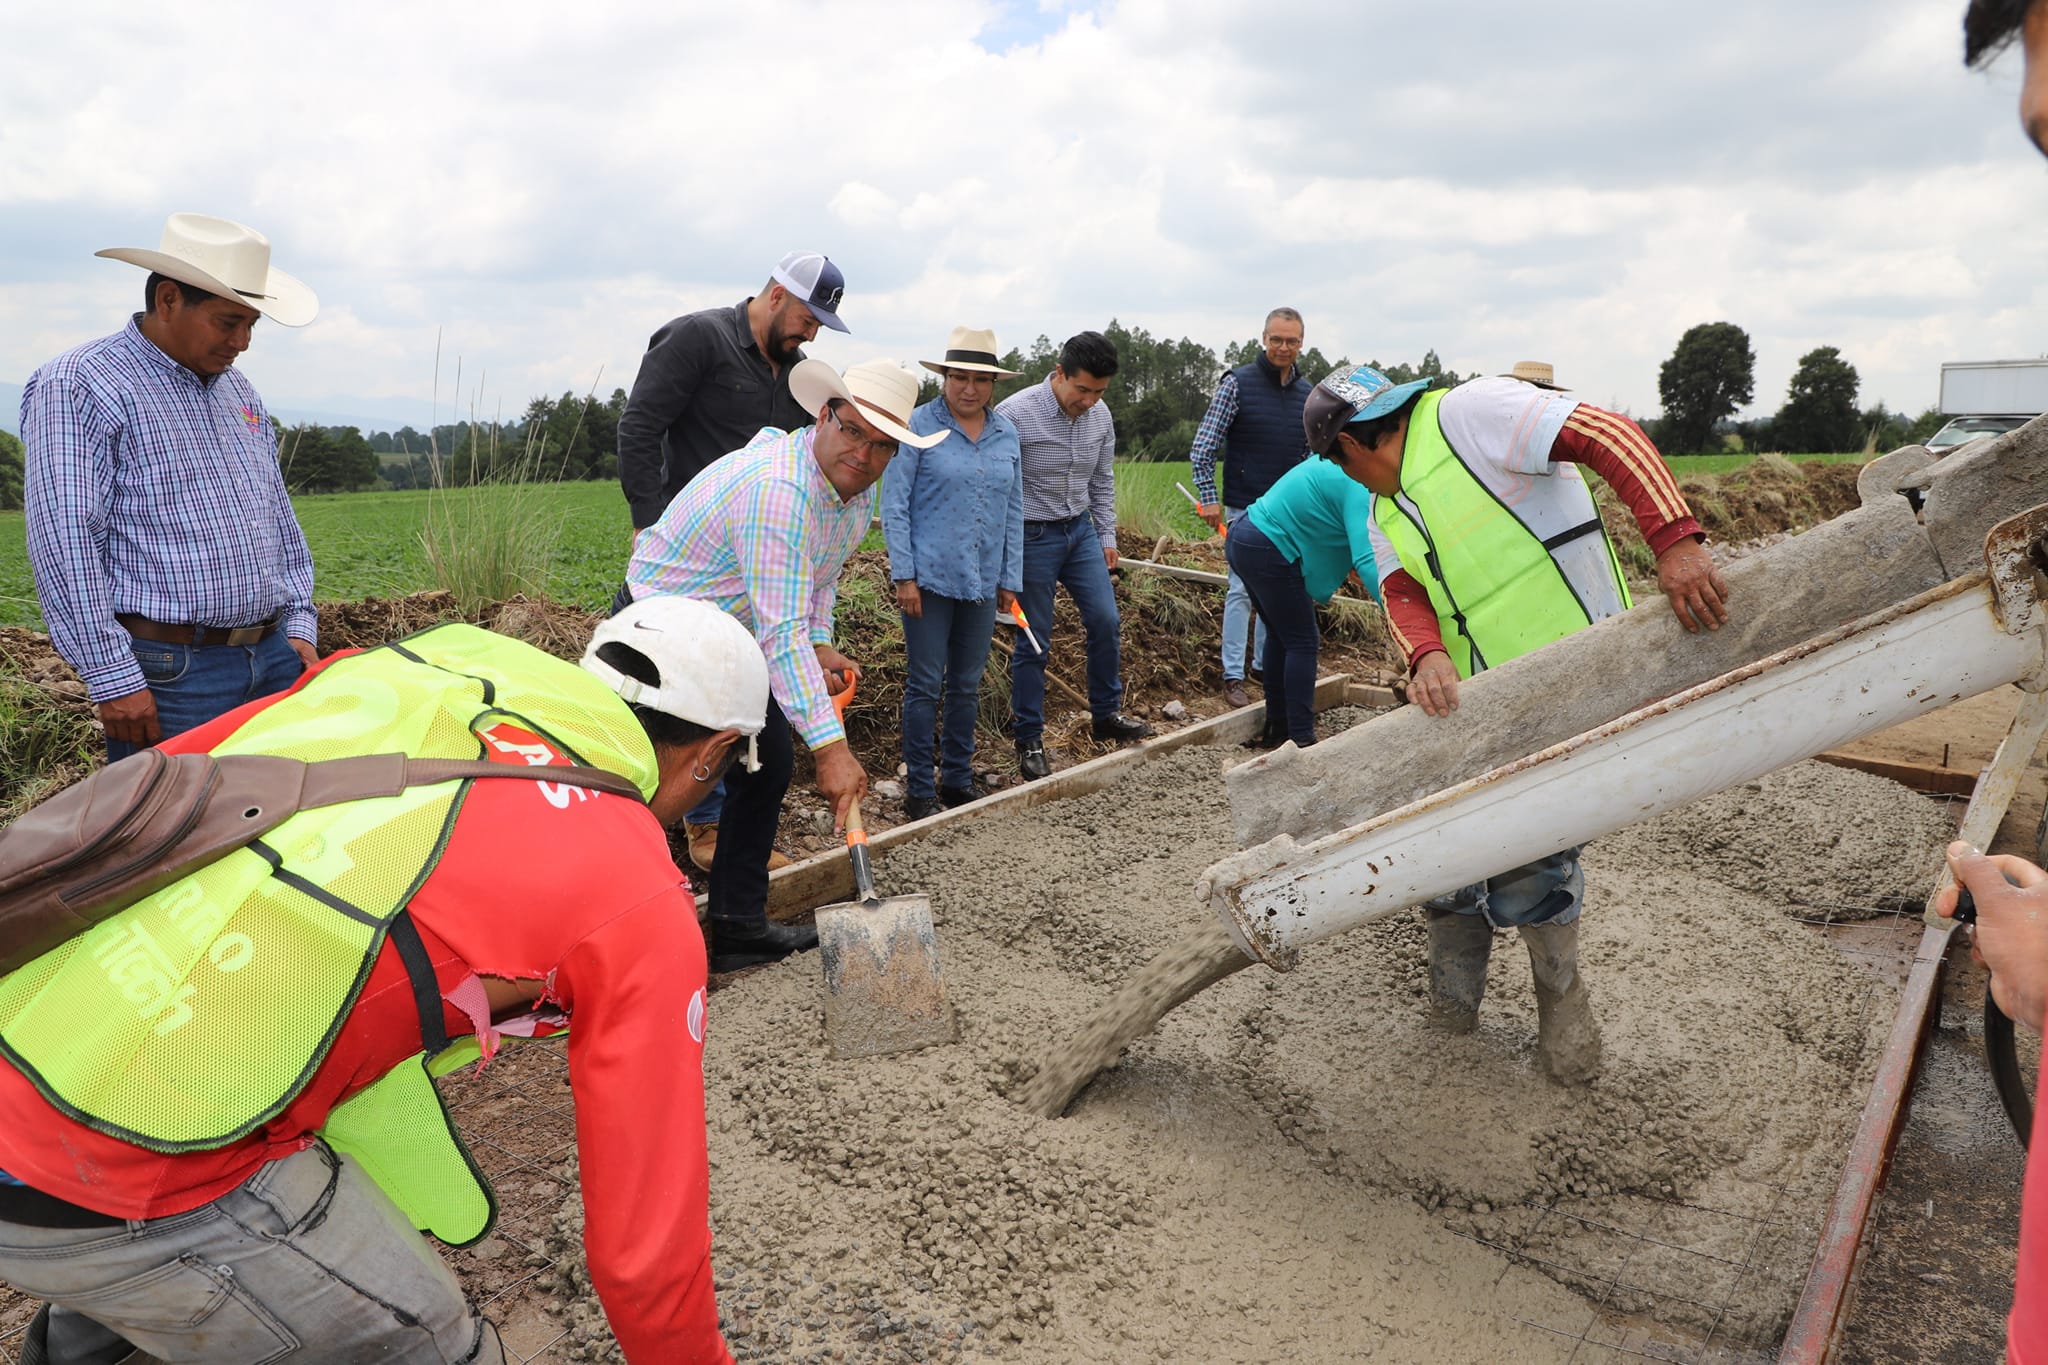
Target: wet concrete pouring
{"points": [[1294, 1165]]}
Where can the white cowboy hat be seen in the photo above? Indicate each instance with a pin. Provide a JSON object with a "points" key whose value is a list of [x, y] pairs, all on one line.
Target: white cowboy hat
{"points": [[1537, 372], [883, 390], [970, 348], [225, 258]]}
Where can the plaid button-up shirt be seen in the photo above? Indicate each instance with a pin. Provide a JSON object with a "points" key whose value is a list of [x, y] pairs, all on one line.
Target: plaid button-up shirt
{"points": [[153, 491], [762, 534]]}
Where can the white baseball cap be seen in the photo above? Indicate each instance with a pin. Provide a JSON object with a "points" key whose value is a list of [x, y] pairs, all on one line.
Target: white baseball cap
{"points": [[711, 668]]}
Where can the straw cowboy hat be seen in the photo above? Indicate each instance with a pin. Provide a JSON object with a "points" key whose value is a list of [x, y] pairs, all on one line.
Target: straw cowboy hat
{"points": [[1537, 372], [225, 258], [970, 348], [883, 390]]}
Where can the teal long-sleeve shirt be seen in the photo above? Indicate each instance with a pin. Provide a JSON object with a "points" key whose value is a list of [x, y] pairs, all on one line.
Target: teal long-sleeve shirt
{"points": [[1322, 520]]}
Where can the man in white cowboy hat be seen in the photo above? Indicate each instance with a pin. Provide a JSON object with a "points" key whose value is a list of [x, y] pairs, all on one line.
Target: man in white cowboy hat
{"points": [[171, 570], [708, 382], [764, 533], [954, 519]]}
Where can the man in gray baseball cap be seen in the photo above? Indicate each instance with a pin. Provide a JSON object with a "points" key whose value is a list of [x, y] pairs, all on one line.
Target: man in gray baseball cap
{"points": [[709, 381]]}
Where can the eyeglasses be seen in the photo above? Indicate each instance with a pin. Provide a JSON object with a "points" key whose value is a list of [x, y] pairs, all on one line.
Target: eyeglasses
{"points": [[1284, 341], [883, 448]]}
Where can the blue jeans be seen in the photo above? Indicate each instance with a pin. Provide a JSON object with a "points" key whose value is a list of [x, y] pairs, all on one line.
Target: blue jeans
{"points": [[945, 651], [1547, 891], [1293, 640], [192, 685], [1238, 614], [308, 1259], [1066, 552]]}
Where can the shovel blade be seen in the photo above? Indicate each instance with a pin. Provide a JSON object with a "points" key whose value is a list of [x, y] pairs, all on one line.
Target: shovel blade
{"points": [[882, 988]]}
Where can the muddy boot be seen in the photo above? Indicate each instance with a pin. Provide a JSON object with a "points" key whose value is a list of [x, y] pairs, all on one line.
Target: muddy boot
{"points": [[1567, 1035], [1458, 948]]}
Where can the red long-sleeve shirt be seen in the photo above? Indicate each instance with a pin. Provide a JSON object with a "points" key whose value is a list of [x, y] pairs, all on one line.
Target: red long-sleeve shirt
{"points": [[1610, 445], [581, 895]]}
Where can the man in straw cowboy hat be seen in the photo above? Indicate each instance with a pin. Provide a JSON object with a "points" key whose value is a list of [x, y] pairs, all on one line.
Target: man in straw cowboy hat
{"points": [[954, 519], [171, 570], [708, 382], [764, 533], [1254, 424], [1488, 546]]}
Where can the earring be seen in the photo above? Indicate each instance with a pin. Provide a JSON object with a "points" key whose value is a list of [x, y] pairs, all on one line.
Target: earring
{"points": [[702, 773]]}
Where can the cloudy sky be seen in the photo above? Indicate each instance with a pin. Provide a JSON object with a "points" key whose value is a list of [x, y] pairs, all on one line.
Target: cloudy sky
{"points": [[541, 185]]}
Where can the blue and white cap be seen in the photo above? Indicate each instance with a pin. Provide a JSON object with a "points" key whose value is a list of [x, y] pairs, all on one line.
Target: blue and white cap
{"points": [[1342, 399], [815, 280]]}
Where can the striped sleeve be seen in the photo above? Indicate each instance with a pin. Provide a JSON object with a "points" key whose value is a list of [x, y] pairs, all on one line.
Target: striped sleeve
{"points": [[1616, 449], [1411, 617]]}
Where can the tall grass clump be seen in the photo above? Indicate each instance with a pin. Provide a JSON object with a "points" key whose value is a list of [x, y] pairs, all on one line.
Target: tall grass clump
{"points": [[495, 536], [44, 746], [1152, 508]]}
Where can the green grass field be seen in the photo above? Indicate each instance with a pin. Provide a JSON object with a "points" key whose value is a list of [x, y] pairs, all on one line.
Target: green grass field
{"points": [[368, 544]]}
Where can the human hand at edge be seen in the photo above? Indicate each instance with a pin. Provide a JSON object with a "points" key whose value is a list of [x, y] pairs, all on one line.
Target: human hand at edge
{"points": [[908, 599], [1006, 603], [1211, 512], [1109, 555], [2010, 939], [308, 655], [1433, 685], [132, 718], [832, 661]]}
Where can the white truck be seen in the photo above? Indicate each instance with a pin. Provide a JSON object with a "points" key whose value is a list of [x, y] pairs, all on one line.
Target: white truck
{"points": [[1989, 398]]}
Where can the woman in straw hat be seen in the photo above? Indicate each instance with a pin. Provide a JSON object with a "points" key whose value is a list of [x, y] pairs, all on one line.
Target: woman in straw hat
{"points": [[954, 519]]}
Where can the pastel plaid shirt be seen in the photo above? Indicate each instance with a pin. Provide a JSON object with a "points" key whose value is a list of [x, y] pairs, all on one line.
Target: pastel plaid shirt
{"points": [[153, 491], [764, 535]]}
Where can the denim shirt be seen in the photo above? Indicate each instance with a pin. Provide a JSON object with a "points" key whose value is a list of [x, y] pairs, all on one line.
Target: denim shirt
{"points": [[954, 515]]}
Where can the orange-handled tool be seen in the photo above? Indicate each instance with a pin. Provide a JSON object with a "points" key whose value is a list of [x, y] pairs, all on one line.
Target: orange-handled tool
{"points": [[1017, 615], [844, 694]]}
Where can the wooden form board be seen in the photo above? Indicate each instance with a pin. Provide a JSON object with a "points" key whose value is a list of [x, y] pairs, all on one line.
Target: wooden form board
{"points": [[824, 878], [1921, 777]]}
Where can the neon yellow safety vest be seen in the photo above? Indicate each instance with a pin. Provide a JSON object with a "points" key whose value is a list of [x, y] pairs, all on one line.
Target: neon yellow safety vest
{"points": [[194, 1016], [1497, 588]]}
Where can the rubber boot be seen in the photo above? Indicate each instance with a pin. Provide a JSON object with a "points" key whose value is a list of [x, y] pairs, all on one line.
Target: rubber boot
{"points": [[1458, 948], [1567, 1035]]}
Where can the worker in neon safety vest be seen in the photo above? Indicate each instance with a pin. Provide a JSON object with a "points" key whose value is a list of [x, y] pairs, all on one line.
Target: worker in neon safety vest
{"points": [[1488, 546], [222, 1135]]}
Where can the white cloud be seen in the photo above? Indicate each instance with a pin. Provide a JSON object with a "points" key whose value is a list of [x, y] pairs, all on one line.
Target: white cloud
{"points": [[543, 188]]}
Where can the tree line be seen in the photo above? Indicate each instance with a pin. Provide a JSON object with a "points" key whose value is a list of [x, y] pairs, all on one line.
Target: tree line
{"points": [[1712, 372], [1160, 391]]}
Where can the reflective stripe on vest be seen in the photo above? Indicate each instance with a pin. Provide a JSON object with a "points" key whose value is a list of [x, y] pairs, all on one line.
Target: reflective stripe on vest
{"points": [[196, 1015], [1499, 589]]}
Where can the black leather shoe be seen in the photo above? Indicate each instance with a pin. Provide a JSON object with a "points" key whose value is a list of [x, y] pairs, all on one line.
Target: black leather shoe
{"points": [[918, 807], [1117, 725], [734, 946], [949, 797], [1031, 761]]}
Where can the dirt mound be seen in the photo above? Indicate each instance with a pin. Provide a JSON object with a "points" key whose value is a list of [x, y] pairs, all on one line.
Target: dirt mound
{"points": [[1770, 497]]}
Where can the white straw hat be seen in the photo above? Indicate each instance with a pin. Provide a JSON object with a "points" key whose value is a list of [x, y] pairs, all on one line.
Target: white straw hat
{"points": [[1537, 372], [225, 258], [883, 390], [971, 348]]}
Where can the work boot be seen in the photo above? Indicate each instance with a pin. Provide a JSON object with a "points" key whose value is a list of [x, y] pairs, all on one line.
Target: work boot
{"points": [[1567, 1035], [703, 841], [1234, 695], [734, 946], [1118, 726], [1458, 948], [1031, 760], [952, 797], [919, 807]]}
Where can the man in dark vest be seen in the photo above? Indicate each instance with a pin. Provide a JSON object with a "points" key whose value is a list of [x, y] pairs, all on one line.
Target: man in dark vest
{"points": [[1254, 423]]}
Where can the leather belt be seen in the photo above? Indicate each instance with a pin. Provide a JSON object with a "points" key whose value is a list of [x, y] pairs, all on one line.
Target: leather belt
{"points": [[33, 1208], [163, 633]]}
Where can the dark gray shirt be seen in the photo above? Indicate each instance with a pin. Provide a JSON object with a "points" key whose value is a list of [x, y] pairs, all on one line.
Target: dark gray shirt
{"points": [[703, 390]]}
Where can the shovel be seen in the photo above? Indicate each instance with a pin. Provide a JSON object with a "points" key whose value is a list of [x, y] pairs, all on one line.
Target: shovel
{"points": [[881, 957]]}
